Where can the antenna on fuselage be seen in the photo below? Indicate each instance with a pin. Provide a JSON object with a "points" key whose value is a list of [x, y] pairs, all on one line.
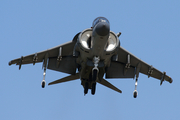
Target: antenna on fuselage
{"points": [[119, 34]]}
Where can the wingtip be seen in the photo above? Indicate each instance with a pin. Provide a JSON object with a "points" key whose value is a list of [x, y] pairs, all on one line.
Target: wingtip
{"points": [[49, 84], [171, 80], [10, 63]]}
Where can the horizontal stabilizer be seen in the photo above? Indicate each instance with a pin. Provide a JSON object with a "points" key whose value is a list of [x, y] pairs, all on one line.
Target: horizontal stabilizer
{"points": [[66, 79], [109, 85]]}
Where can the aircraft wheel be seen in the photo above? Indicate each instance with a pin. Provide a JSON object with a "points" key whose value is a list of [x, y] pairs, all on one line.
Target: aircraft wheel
{"points": [[43, 83], [94, 75], [93, 89], [135, 93], [86, 88]]}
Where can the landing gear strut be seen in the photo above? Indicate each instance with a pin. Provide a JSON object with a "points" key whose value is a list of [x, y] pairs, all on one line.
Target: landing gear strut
{"points": [[43, 83], [135, 93]]}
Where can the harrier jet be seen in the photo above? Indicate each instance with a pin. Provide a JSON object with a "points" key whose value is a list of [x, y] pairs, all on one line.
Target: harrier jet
{"points": [[91, 54]]}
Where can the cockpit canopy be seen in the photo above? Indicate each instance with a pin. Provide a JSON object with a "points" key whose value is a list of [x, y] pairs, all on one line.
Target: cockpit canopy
{"points": [[99, 19]]}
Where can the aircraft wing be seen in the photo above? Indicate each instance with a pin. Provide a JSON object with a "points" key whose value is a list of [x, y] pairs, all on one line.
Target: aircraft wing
{"points": [[67, 50], [131, 66], [62, 55]]}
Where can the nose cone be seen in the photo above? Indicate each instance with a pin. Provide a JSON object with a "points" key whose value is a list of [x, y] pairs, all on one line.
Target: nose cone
{"points": [[102, 29]]}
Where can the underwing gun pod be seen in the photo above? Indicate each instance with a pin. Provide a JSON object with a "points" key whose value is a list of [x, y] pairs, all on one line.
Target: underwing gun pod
{"points": [[94, 52]]}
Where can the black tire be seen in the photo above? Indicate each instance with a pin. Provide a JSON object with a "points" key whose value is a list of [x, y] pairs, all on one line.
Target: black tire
{"points": [[43, 84], [93, 89], [94, 75], [135, 94]]}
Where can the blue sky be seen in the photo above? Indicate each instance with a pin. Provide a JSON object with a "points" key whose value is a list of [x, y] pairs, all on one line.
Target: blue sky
{"points": [[150, 30]]}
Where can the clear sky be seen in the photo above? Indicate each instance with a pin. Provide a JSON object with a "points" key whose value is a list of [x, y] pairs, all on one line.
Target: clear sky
{"points": [[150, 30]]}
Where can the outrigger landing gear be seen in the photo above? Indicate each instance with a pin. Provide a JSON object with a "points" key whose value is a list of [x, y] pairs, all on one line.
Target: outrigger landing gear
{"points": [[43, 83], [135, 93]]}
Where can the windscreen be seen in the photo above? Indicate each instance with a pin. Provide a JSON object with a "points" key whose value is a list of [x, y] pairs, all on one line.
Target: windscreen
{"points": [[99, 19]]}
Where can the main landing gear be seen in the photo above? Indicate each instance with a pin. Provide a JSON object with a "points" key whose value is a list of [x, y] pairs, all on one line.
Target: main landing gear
{"points": [[91, 83], [93, 87]]}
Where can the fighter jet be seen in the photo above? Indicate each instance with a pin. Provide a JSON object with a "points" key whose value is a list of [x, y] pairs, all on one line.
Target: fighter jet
{"points": [[91, 54]]}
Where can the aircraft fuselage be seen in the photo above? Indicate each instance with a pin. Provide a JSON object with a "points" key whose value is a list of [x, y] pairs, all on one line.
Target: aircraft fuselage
{"points": [[94, 48]]}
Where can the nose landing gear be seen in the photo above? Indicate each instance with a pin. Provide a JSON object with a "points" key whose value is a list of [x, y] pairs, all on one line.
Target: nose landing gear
{"points": [[95, 70]]}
